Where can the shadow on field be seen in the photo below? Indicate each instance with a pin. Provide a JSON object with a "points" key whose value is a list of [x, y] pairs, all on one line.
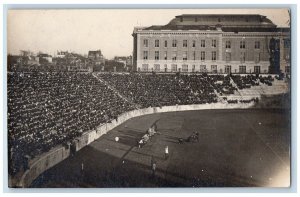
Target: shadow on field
{"points": [[101, 170]]}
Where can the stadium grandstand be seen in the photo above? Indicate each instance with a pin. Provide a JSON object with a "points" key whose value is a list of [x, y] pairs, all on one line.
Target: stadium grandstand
{"points": [[51, 109]]}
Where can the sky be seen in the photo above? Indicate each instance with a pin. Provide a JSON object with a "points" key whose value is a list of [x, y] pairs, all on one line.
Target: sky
{"points": [[109, 30]]}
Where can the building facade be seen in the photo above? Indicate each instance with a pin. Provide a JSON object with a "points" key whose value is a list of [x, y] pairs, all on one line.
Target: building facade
{"points": [[213, 44], [96, 57]]}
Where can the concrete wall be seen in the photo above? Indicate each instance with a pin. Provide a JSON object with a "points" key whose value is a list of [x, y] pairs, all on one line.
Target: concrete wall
{"points": [[58, 154]]}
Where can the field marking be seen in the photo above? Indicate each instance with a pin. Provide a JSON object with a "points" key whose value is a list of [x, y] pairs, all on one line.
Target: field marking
{"points": [[253, 129]]}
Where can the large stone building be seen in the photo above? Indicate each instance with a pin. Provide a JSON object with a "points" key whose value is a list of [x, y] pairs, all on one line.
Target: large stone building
{"points": [[213, 43]]}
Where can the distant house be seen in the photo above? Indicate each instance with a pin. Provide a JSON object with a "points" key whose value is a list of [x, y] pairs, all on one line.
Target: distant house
{"points": [[43, 57], [62, 54], [96, 57], [126, 60]]}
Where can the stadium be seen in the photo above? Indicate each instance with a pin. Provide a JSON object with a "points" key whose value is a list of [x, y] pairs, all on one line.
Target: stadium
{"points": [[215, 111], [229, 114]]}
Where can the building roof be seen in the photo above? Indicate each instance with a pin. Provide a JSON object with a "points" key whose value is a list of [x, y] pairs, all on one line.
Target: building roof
{"points": [[224, 22], [93, 53]]}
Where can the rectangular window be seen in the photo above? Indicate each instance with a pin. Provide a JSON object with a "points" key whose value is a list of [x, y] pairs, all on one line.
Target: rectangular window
{"points": [[156, 43], [257, 69], [145, 67], [257, 57], [156, 56], [202, 55], [194, 43], [242, 44], [156, 67], [145, 43], [174, 67], [145, 55], [213, 55], [214, 68], [185, 68], [214, 43], [243, 57], [228, 69], [184, 55], [174, 43], [242, 69], [202, 68], [227, 44], [228, 57], [257, 45], [287, 43], [166, 43], [202, 43], [184, 44], [174, 56], [165, 55]]}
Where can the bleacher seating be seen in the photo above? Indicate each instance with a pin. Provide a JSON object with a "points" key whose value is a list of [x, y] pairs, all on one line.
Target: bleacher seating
{"points": [[46, 109]]}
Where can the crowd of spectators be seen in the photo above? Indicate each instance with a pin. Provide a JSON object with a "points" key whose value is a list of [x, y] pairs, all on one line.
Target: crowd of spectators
{"points": [[247, 81], [47, 109], [155, 90]]}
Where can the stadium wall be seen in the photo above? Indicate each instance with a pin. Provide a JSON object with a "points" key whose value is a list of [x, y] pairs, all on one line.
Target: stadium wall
{"points": [[56, 155]]}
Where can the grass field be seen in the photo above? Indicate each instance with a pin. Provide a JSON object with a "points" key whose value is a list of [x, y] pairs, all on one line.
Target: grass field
{"points": [[236, 148]]}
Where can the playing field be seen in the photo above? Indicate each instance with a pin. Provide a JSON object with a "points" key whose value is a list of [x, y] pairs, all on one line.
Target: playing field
{"points": [[235, 148]]}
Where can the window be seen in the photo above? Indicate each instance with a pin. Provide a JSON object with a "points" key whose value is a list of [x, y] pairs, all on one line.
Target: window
{"points": [[242, 69], [165, 55], [184, 44], [214, 43], [202, 55], [174, 43], [145, 43], [194, 55], [202, 43], [243, 57], [257, 57], [194, 43], [156, 67], [156, 55], [287, 69], [213, 55], [166, 43], [257, 45], [202, 68], [174, 67], [174, 56], [257, 69], [145, 55], [214, 68], [185, 68], [156, 43], [145, 67], [227, 44], [242, 44], [184, 55], [228, 57], [287, 43], [228, 69]]}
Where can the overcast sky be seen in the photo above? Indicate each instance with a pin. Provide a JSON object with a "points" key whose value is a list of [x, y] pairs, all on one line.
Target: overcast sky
{"points": [[108, 30]]}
